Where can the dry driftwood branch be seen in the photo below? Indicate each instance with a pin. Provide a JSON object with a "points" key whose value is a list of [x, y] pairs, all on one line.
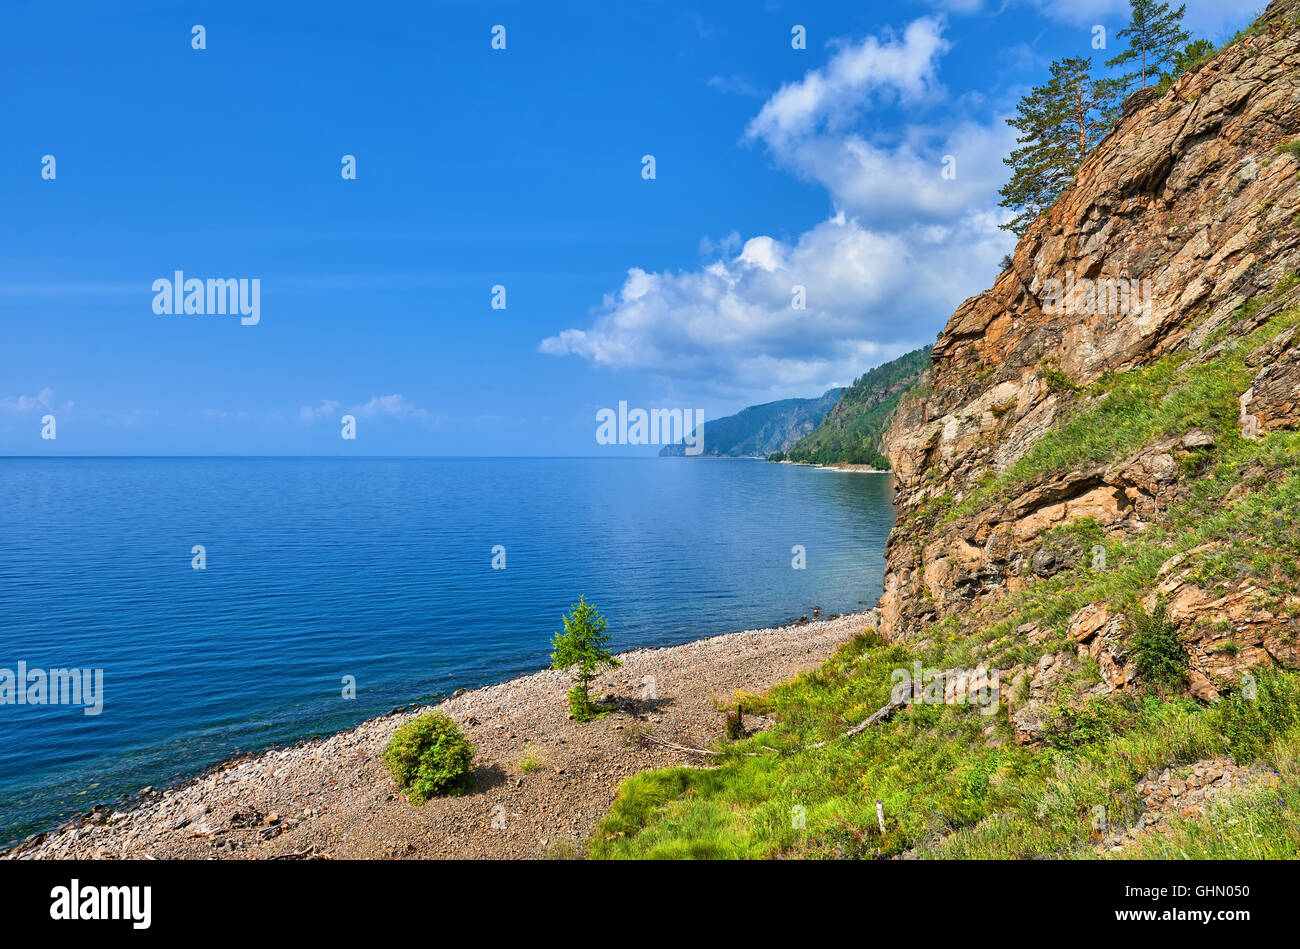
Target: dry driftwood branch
{"points": [[695, 751], [884, 713], [309, 854]]}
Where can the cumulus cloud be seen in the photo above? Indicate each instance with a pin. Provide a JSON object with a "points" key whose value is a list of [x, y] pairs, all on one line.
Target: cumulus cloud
{"points": [[809, 128], [393, 406], [870, 295], [326, 409], [905, 243], [379, 406], [42, 401], [834, 95], [734, 85], [891, 182]]}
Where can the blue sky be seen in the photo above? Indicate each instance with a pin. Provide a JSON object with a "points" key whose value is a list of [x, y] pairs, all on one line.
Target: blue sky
{"points": [[478, 167]]}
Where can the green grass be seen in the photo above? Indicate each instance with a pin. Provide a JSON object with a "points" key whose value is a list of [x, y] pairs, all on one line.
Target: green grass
{"points": [[1120, 414], [1125, 411], [953, 782], [945, 790], [1250, 538], [928, 769]]}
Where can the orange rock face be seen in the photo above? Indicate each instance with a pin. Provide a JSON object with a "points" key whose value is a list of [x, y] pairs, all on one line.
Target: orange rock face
{"points": [[1183, 214]]}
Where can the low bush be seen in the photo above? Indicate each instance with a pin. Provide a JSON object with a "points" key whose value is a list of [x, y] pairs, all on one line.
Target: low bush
{"points": [[428, 756], [1253, 718], [1157, 650]]}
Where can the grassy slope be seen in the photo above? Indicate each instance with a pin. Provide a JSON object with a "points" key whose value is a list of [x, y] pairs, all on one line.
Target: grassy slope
{"points": [[952, 780]]}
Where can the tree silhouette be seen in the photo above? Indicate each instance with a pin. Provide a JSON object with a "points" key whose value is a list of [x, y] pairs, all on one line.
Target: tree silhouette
{"points": [[1155, 37], [1060, 123]]}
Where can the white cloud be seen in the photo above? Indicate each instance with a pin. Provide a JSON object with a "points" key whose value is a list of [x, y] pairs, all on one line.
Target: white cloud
{"points": [[871, 295], [326, 409], [393, 406], [893, 182], [807, 127], [832, 96], [904, 246], [42, 401], [734, 85], [379, 406]]}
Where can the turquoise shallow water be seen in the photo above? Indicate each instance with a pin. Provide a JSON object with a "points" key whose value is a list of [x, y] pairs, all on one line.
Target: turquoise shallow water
{"points": [[376, 568]]}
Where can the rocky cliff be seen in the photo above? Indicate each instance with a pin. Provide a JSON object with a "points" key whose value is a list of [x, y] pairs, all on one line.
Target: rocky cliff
{"points": [[1103, 427]]}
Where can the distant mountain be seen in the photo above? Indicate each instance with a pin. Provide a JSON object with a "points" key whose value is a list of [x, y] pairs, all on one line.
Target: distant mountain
{"points": [[852, 431], [760, 430]]}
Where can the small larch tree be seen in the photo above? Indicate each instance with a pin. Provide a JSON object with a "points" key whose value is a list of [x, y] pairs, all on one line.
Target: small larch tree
{"points": [[1155, 37], [583, 646]]}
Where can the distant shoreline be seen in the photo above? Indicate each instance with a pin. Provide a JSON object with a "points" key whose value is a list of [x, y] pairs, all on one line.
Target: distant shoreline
{"points": [[843, 466], [854, 469]]}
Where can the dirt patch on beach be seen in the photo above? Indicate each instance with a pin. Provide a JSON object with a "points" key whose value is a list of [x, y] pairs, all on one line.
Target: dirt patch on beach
{"points": [[540, 785]]}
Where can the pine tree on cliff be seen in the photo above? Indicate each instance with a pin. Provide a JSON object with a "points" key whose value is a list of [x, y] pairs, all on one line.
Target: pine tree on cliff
{"points": [[1155, 37], [1060, 124]]}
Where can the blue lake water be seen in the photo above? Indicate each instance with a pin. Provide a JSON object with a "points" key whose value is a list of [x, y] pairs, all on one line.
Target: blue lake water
{"points": [[320, 568]]}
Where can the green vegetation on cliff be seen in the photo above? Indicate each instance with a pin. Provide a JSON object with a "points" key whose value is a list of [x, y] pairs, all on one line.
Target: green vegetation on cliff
{"points": [[955, 781], [1118, 557], [852, 431], [952, 782]]}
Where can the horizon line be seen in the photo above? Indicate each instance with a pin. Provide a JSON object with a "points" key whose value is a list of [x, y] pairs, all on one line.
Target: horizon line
{"points": [[4, 457]]}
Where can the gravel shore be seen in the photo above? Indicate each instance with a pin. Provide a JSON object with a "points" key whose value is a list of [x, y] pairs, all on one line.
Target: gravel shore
{"points": [[540, 784]]}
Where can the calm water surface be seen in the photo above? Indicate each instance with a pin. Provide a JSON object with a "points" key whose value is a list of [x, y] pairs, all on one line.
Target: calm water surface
{"points": [[376, 568]]}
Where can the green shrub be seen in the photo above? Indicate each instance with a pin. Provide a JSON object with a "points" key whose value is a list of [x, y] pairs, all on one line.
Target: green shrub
{"points": [[1098, 720], [1254, 717], [1157, 650], [1290, 148], [428, 756], [1057, 380], [734, 723]]}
